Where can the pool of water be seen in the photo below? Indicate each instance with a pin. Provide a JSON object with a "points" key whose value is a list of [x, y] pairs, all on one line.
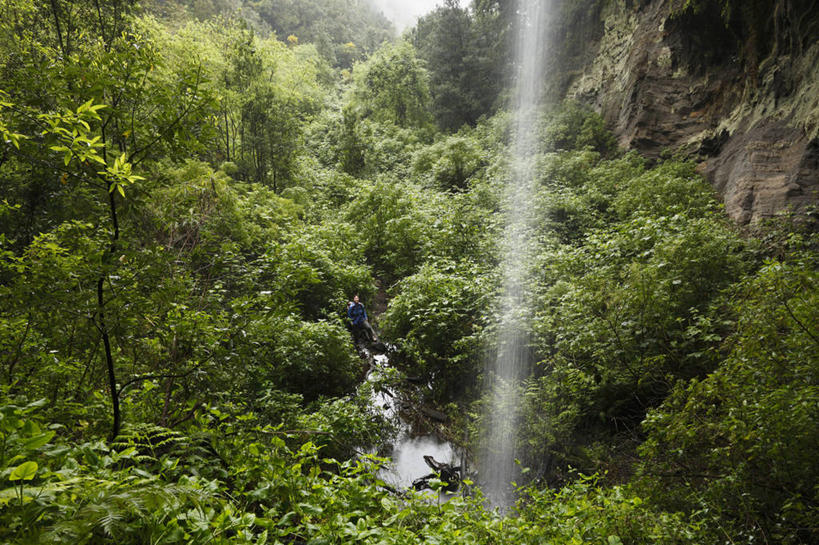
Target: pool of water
{"points": [[408, 449]]}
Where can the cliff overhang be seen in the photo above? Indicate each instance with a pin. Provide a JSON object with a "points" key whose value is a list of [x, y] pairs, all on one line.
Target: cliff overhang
{"points": [[742, 104]]}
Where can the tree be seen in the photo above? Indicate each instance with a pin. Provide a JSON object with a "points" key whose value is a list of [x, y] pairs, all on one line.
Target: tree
{"points": [[739, 445], [266, 90], [392, 87], [465, 54], [128, 113], [332, 25]]}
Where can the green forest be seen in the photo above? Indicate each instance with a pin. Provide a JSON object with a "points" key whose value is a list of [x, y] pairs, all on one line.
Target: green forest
{"points": [[193, 190]]}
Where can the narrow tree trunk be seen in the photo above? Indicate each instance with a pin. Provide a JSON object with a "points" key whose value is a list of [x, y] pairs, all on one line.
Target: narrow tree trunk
{"points": [[101, 23], [59, 29], [106, 340], [19, 351], [227, 135], [109, 358], [163, 420]]}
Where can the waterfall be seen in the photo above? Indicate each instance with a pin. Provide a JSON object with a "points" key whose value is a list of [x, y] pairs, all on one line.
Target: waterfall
{"points": [[512, 362]]}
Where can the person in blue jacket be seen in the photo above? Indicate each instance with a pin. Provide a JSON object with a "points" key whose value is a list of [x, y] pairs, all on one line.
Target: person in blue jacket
{"points": [[358, 317]]}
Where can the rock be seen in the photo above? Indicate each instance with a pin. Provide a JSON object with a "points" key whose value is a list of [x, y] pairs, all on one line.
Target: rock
{"points": [[379, 347], [448, 474], [677, 85], [765, 171]]}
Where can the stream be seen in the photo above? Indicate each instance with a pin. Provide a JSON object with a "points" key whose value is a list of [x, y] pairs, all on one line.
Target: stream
{"points": [[409, 446]]}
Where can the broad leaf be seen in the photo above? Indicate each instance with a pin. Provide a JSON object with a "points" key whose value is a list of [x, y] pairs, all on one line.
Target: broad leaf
{"points": [[24, 472]]}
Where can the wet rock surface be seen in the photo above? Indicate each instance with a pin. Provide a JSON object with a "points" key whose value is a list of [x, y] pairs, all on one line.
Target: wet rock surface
{"points": [[675, 85], [768, 170]]}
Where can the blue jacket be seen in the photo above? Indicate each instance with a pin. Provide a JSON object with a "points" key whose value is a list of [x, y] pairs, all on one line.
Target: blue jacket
{"points": [[356, 313]]}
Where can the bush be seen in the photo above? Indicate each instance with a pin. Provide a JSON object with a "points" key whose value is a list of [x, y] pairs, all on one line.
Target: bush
{"points": [[434, 321], [739, 445], [394, 222], [670, 188], [315, 272], [450, 163], [575, 127], [586, 513], [309, 358]]}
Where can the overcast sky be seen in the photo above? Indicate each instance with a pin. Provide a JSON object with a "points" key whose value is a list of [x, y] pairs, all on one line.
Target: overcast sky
{"points": [[404, 12]]}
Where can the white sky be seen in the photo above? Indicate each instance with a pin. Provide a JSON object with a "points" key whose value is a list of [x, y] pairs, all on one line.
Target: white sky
{"points": [[405, 12]]}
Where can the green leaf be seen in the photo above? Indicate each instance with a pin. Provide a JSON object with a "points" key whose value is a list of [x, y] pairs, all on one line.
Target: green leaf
{"points": [[24, 472], [7, 495], [38, 441], [9, 423], [85, 106]]}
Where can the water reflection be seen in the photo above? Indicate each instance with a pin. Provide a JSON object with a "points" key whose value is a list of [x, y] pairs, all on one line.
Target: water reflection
{"points": [[408, 458], [408, 449]]}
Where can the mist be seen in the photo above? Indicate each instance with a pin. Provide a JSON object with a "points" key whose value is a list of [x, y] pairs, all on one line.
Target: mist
{"points": [[404, 13]]}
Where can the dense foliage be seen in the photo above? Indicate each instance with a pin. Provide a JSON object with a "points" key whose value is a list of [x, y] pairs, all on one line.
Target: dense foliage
{"points": [[189, 200], [343, 31], [465, 52]]}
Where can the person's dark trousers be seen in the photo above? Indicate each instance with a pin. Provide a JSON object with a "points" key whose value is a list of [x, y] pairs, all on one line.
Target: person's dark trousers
{"points": [[365, 330]]}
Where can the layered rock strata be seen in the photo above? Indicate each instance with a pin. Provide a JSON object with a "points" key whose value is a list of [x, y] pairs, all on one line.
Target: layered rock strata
{"points": [[666, 86]]}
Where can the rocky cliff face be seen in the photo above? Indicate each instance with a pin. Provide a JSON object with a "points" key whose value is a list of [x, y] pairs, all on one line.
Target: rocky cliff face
{"points": [[681, 85]]}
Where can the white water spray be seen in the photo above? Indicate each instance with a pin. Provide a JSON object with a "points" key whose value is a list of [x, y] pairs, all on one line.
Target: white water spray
{"points": [[512, 364]]}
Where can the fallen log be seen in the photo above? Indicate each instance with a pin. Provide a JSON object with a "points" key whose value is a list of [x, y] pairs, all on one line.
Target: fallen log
{"points": [[447, 473], [433, 414]]}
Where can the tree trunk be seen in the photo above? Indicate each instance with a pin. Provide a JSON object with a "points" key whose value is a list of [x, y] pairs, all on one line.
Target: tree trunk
{"points": [[103, 327]]}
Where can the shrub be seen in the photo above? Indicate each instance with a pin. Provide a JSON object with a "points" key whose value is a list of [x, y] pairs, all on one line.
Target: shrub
{"points": [[739, 445], [434, 320]]}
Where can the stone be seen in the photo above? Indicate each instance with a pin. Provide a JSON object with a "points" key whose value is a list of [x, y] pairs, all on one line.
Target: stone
{"points": [[659, 91]]}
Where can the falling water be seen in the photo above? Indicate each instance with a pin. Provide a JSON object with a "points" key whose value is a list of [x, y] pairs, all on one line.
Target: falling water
{"points": [[511, 365]]}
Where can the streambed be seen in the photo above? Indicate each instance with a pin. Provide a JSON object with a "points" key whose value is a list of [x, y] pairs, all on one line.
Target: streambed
{"points": [[409, 445]]}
